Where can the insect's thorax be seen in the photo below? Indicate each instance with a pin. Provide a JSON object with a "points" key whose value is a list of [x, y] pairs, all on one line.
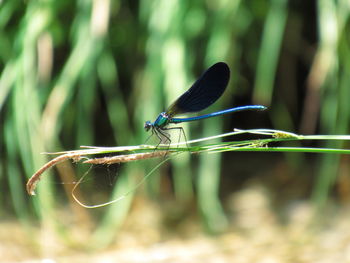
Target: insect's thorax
{"points": [[162, 120]]}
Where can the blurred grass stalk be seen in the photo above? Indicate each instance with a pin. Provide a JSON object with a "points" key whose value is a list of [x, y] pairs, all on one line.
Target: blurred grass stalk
{"points": [[269, 52], [38, 92], [331, 65], [34, 121]]}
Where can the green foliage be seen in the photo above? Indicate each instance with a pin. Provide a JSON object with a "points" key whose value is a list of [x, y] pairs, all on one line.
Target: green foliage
{"points": [[91, 72]]}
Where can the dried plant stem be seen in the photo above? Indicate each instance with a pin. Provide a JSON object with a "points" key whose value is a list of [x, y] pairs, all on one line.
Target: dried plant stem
{"points": [[76, 156], [126, 158], [32, 182], [152, 152]]}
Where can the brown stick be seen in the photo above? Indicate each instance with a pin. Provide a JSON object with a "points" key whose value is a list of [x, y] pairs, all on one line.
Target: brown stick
{"points": [[32, 182], [77, 156], [125, 158]]}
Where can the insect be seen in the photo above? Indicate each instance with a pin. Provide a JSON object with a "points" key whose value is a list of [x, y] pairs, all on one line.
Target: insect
{"points": [[204, 92]]}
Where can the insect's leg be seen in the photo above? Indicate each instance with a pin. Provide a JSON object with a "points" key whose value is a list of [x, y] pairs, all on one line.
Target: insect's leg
{"points": [[156, 131], [152, 133], [181, 131], [159, 135], [165, 138]]}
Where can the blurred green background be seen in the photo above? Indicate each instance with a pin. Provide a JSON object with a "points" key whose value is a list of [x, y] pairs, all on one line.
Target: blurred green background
{"points": [[91, 72]]}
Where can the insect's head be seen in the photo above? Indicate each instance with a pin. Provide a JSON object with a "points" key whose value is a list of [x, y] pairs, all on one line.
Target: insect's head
{"points": [[148, 125]]}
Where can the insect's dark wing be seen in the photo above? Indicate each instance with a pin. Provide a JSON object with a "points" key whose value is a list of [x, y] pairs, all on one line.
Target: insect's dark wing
{"points": [[204, 92]]}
